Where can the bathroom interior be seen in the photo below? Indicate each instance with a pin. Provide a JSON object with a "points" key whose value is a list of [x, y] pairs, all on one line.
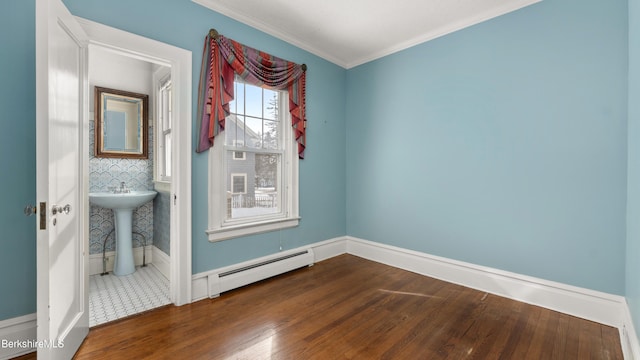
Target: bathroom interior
{"points": [[146, 285]]}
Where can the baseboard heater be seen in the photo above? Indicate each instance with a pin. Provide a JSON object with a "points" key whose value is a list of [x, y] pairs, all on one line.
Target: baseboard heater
{"points": [[239, 275]]}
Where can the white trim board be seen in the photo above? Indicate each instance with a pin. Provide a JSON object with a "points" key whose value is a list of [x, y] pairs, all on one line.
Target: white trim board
{"points": [[584, 303], [179, 60], [322, 250], [628, 336], [350, 62], [161, 261], [153, 256], [604, 308], [588, 304], [22, 328], [600, 307], [95, 260]]}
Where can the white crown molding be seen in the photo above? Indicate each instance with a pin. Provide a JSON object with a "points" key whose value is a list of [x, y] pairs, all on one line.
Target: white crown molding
{"points": [[266, 28], [350, 63], [441, 31]]}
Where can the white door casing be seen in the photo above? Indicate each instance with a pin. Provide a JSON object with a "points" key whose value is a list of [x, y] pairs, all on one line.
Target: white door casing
{"points": [[62, 256], [179, 60]]}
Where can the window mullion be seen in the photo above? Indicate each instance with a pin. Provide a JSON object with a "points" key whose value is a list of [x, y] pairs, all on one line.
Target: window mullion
{"points": [[244, 113], [253, 150]]}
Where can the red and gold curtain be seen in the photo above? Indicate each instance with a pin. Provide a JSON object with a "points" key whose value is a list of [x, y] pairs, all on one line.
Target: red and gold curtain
{"points": [[222, 59]]}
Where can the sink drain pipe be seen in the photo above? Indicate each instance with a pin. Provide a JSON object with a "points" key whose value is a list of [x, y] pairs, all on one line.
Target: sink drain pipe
{"points": [[144, 248], [104, 251]]}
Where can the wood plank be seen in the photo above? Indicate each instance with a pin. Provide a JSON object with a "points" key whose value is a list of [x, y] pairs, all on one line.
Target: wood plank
{"points": [[351, 308]]}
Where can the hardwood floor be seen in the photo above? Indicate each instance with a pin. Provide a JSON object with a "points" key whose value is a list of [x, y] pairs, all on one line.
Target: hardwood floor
{"points": [[350, 308]]}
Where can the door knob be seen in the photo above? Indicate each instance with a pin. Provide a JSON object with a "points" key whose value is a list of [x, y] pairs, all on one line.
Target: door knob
{"points": [[30, 210], [57, 209]]}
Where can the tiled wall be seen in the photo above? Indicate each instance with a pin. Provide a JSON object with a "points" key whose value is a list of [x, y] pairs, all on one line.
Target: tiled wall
{"points": [[110, 172], [162, 221]]}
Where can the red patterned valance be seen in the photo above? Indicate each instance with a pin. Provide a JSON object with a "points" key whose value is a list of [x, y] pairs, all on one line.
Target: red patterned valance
{"points": [[222, 58]]}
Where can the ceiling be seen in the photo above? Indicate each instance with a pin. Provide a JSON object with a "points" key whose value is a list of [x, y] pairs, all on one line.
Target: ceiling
{"points": [[352, 32]]}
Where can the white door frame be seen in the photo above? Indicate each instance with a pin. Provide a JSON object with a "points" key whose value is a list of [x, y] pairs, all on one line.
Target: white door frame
{"points": [[179, 60]]}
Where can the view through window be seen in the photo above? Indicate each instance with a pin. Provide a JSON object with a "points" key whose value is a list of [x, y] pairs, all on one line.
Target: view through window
{"points": [[254, 153]]}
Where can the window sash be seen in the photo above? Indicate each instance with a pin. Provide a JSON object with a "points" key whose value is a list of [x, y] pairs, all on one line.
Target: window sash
{"points": [[281, 199], [163, 136], [166, 93], [238, 108], [220, 228], [165, 171]]}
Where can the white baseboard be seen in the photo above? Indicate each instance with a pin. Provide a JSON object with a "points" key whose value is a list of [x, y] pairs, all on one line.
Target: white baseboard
{"points": [[604, 308], [629, 337], [584, 303], [327, 249], [16, 331], [95, 260], [161, 261], [588, 304], [322, 250]]}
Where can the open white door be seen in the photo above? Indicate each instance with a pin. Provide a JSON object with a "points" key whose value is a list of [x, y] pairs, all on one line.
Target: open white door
{"points": [[63, 311]]}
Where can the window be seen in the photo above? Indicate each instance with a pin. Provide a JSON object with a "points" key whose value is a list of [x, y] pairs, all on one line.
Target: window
{"points": [[163, 128], [259, 193], [238, 183], [239, 155]]}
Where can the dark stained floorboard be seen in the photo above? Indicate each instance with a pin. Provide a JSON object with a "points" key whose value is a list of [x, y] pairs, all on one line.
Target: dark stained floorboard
{"points": [[351, 308]]}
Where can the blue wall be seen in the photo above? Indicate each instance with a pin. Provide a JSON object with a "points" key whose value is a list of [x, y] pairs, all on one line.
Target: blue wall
{"points": [[322, 173], [17, 159], [632, 290], [502, 145]]}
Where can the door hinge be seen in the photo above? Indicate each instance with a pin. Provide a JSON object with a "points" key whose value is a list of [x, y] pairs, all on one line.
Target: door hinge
{"points": [[175, 198], [43, 216]]}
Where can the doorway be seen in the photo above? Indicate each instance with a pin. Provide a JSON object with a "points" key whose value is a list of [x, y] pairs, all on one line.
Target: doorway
{"points": [[145, 283], [176, 196]]}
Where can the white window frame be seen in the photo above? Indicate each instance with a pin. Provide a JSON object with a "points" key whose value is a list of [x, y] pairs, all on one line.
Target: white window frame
{"points": [[222, 229], [162, 182]]}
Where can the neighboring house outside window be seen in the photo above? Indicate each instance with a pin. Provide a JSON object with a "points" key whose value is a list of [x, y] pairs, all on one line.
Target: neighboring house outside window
{"points": [[254, 166]]}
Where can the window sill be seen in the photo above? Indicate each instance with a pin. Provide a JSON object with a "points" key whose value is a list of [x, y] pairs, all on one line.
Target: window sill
{"points": [[163, 186], [234, 231]]}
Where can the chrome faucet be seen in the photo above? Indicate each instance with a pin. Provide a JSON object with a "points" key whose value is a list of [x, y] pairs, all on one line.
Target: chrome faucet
{"points": [[122, 190]]}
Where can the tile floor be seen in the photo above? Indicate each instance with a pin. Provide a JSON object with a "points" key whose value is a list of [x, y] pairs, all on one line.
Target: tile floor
{"points": [[113, 297]]}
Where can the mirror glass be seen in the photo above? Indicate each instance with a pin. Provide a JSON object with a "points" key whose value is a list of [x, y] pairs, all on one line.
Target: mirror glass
{"points": [[121, 127]]}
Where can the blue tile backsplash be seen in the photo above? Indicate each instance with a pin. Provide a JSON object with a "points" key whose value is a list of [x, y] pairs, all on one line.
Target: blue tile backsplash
{"points": [[162, 221], [110, 172]]}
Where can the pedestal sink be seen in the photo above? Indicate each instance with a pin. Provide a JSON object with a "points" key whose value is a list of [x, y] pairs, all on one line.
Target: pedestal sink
{"points": [[122, 205]]}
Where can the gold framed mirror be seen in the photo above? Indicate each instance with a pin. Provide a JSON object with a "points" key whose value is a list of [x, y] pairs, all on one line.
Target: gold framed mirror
{"points": [[121, 124]]}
